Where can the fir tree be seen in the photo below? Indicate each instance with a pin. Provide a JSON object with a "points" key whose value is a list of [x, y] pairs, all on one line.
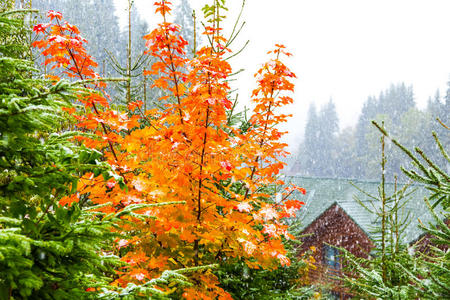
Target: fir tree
{"points": [[369, 111], [327, 139], [398, 273], [432, 278], [309, 145], [395, 101], [346, 161], [47, 251], [319, 148], [379, 276], [6, 5], [135, 87], [443, 114], [395, 106]]}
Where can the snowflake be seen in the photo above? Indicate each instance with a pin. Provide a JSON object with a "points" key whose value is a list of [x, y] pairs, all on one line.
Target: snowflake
{"points": [[244, 206], [139, 276], [284, 260], [270, 229], [291, 211], [57, 39], [139, 184], [245, 231], [186, 116], [226, 165], [268, 213], [54, 14], [129, 199], [249, 247], [122, 243], [110, 184]]}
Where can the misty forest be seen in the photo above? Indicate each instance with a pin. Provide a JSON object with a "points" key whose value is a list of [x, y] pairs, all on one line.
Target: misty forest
{"points": [[134, 165]]}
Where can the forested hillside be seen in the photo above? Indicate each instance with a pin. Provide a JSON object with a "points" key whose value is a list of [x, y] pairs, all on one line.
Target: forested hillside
{"points": [[330, 151]]}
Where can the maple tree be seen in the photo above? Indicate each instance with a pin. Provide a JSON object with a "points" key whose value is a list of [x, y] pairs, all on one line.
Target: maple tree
{"points": [[194, 189]]}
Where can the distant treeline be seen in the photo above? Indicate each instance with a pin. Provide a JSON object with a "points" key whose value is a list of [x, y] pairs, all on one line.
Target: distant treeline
{"points": [[353, 152], [108, 42], [99, 24]]}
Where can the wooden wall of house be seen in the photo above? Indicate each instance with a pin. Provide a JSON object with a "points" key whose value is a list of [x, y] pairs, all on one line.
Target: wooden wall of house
{"points": [[336, 228], [425, 242]]}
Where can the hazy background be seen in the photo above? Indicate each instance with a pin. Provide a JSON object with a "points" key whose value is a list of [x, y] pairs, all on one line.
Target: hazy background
{"points": [[346, 50]]}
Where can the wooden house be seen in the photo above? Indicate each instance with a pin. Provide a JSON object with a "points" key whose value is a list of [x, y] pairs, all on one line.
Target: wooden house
{"points": [[332, 217]]}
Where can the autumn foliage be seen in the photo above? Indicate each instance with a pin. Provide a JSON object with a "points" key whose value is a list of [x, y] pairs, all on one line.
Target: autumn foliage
{"points": [[199, 188]]}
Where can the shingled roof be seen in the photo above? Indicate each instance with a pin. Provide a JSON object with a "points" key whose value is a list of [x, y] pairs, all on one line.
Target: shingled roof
{"points": [[322, 193]]}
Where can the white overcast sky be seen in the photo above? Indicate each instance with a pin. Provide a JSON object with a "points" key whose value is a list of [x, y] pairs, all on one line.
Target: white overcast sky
{"points": [[343, 49]]}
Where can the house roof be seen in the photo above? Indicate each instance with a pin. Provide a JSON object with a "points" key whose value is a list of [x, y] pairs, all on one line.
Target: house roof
{"points": [[322, 193]]}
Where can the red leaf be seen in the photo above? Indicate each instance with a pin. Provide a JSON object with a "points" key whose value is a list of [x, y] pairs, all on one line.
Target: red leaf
{"points": [[54, 14], [226, 165]]}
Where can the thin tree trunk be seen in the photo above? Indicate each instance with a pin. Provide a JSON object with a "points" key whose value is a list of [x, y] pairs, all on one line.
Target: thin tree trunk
{"points": [[383, 210], [130, 4]]}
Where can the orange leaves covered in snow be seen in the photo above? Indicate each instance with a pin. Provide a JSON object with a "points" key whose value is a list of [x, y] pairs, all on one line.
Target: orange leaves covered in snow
{"points": [[215, 176]]}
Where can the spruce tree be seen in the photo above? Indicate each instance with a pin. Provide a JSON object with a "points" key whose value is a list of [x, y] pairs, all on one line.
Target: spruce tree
{"points": [[378, 277], [431, 279], [47, 250], [390, 106], [309, 145], [398, 273], [395, 101], [319, 148], [346, 161], [368, 112], [136, 85], [327, 139]]}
